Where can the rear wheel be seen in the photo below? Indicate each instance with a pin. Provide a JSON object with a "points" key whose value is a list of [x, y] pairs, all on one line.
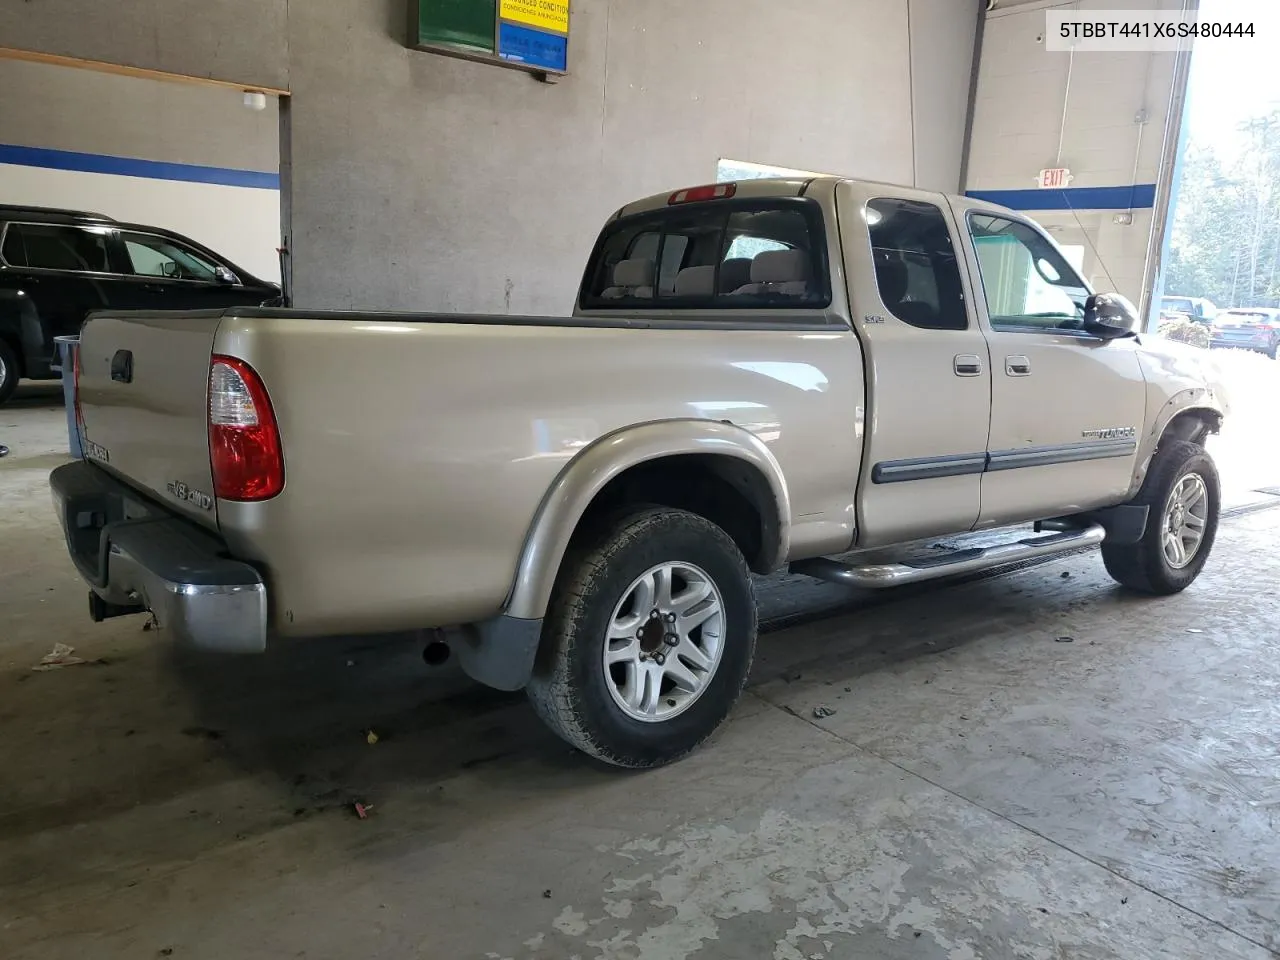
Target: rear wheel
{"points": [[1182, 492], [8, 371], [648, 641]]}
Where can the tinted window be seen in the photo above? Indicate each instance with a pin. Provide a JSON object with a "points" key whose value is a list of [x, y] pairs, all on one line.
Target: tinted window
{"points": [[13, 251], [718, 255], [51, 247], [152, 256], [1029, 286], [916, 268]]}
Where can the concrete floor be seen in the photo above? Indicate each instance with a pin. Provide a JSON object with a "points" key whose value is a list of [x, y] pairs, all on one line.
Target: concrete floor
{"points": [[983, 789]]}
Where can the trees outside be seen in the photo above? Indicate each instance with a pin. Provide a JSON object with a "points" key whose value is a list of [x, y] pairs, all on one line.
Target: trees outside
{"points": [[1226, 231]]}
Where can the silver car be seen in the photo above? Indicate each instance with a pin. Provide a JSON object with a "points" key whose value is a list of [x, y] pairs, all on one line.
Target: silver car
{"points": [[1247, 328]]}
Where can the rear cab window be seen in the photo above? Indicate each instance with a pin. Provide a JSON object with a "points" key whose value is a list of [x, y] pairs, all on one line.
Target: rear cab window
{"points": [[738, 254]]}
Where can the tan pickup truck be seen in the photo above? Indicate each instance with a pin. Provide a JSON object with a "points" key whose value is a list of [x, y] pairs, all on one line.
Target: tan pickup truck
{"points": [[756, 375]]}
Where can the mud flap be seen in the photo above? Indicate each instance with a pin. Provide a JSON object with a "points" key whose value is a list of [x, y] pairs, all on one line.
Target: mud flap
{"points": [[1124, 524], [498, 653]]}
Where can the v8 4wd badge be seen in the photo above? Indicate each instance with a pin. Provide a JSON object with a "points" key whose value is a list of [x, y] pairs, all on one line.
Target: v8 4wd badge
{"points": [[190, 495]]}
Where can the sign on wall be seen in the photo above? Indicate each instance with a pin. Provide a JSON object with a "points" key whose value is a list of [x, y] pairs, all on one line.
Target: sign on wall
{"points": [[1054, 178], [525, 34]]}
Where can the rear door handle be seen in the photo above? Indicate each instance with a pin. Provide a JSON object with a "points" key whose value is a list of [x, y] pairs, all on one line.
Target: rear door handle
{"points": [[1017, 366], [968, 365]]}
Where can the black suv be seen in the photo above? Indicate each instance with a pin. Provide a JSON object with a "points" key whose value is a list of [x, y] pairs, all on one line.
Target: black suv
{"points": [[56, 266]]}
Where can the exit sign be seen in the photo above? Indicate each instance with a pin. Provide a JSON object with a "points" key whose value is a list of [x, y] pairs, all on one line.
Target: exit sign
{"points": [[1054, 178]]}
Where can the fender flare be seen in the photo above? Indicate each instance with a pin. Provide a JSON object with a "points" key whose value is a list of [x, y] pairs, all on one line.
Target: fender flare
{"points": [[1195, 400], [588, 473]]}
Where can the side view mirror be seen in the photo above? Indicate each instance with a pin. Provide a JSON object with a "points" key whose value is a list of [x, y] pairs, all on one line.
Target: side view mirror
{"points": [[1109, 316], [224, 275]]}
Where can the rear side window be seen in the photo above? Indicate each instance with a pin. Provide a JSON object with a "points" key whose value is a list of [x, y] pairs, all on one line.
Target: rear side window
{"points": [[717, 255], [50, 247], [916, 268], [12, 251]]}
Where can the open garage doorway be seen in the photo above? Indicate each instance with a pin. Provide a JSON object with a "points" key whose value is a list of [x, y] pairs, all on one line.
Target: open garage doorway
{"points": [[1219, 287], [123, 189]]}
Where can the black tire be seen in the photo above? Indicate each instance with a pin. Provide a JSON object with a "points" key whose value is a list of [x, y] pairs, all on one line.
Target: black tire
{"points": [[9, 372], [1143, 566], [570, 689]]}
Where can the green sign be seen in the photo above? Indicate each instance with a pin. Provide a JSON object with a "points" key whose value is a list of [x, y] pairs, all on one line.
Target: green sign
{"points": [[529, 35], [457, 23]]}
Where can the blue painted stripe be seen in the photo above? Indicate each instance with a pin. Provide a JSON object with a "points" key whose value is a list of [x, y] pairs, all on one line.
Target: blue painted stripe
{"points": [[130, 167], [1139, 196]]}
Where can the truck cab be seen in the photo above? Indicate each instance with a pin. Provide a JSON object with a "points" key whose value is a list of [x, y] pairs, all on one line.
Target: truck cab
{"points": [[992, 396]]}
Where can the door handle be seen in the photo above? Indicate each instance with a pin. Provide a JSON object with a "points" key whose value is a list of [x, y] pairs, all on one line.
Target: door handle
{"points": [[1017, 366], [968, 365]]}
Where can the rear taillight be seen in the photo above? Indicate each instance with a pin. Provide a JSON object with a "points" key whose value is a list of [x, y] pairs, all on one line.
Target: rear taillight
{"points": [[712, 191], [75, 389], [244, 440]]}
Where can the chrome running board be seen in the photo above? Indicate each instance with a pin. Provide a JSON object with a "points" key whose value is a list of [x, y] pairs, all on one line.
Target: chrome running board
{"points": [[880, 575]]}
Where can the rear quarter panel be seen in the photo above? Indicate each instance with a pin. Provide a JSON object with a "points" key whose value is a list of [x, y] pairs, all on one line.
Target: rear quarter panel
{"points": [[417, 453]]}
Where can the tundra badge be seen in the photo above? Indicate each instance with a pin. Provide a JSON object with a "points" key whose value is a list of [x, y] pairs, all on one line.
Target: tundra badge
{"points": [[190, 495], [1110, 433]]}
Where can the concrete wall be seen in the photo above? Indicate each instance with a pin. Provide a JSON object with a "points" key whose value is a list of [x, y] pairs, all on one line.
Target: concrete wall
{"points": [[1110, 119], [420, 182], [103, 115]]}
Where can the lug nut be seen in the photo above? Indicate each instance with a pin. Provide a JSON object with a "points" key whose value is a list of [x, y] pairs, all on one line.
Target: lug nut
{"points": [[672, 639], [659, 658], [670, 618]]}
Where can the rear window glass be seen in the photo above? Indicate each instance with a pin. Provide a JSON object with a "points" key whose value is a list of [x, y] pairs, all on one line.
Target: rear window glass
{"points": [[720, 255], [52, 247], [12, 251]]}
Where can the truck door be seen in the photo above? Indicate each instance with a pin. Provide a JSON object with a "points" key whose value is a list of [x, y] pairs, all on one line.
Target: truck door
{"points": [[928, 373], [1067, 409]]}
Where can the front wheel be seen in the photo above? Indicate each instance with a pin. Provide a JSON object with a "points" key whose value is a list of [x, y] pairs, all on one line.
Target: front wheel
{"points": [[1183, 494], [648, 641]]}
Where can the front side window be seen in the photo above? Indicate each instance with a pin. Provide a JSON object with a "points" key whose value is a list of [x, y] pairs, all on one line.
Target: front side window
{"points": [[1030, 287], [713, 255], [45, 246], [152, 256], [916, 268]]}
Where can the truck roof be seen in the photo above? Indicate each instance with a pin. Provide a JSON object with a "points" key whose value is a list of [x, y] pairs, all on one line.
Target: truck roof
{"points": [[793, 187]]}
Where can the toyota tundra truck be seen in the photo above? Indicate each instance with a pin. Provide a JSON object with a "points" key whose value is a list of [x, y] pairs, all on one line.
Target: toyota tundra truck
{"points": [[824, 375]]}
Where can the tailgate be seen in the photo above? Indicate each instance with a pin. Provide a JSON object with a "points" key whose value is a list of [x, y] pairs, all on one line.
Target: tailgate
{"points": [[144, 381]]}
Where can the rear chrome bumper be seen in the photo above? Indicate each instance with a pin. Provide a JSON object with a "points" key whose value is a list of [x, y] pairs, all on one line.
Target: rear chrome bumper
{"points": [[136, 556]]}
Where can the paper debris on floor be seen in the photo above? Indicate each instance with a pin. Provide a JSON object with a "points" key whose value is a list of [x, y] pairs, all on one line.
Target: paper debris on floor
{"points": [[59, 656]]}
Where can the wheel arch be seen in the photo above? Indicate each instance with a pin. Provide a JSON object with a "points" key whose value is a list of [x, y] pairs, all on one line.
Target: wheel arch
{"points": [[1190, 415], [21, 329], [658, 462]]}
